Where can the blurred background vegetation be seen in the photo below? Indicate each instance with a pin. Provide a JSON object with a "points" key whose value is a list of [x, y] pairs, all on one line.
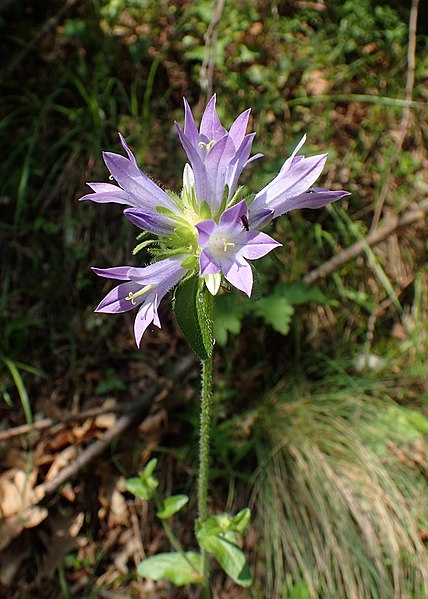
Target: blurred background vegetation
{"points": [[322, 398]]}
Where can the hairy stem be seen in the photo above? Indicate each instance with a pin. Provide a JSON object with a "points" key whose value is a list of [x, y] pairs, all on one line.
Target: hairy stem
{"points": [[204, 449]]}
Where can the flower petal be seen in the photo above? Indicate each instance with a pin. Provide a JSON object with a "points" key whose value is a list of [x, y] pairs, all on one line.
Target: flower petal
{"points": [[205, 228], [104, 187], [213, 283], [239, 274], [238, 163], [216, 164], [145, 316], [107, 193], [144, 192], [165, 273], [288, 184], [260, 218], [258, 245], [115, 301], [127, 150], [239, 127], [285, 167], [155, 223], [117, 272], [232, 217], [210, 123], [202, 184], [190, 129], [207, 264], [311, 199]]}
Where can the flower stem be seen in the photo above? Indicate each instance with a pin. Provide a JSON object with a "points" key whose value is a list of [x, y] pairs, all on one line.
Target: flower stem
{"points": [[204, 447]]}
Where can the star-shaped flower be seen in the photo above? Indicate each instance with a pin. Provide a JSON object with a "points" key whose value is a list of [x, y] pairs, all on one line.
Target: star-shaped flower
{"points": [[227, 245]]}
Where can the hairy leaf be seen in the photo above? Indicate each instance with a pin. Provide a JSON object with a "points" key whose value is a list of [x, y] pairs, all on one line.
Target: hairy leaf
{"points": [[193, 313]]}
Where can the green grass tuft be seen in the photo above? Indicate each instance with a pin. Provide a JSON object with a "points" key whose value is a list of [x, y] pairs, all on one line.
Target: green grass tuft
{"points": [[341, 492]]}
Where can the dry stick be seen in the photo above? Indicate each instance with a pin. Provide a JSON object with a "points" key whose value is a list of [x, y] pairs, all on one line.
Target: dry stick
{"points": [[208, 63], [139, 409], [371, 239], [47, 423], [405, 120]]}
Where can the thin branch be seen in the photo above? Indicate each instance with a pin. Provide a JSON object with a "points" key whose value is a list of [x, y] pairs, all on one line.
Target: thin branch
{"points": [[373, 238], [405, 120], [210, 52], [139, 409], [47, 423]]}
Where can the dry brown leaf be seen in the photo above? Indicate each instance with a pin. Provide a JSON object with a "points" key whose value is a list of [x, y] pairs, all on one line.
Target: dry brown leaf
{"points": [[118, 510], [17, 509], [113, 503], [63, 459], [80, 431], [105, 421]]}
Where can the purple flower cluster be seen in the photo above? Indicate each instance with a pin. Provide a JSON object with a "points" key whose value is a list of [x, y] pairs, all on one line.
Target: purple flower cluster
{"points": [[207, 229]]}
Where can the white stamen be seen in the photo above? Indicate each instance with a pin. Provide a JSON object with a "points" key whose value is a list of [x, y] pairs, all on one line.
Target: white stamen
{"points": [[207, 146], [227, 245], [131, 296]]}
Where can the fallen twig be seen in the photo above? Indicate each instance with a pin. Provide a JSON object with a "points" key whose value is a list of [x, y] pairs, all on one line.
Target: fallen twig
{"points": [[371, 239], [47, 423], [138, 410]]}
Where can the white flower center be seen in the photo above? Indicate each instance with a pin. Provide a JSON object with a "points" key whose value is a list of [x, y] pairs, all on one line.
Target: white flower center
{"points": [[219, 244]]}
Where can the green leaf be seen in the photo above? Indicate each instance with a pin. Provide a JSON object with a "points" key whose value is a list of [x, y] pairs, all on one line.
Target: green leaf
{"points": [[205, 210], [300, 292], [229, 313], [276, 311], [145, 485], [230, 557], [171, 505], [179, 568], [22, 391], [223, 523], [215, 525], [136, 487], [241, 520], [193, 310]]}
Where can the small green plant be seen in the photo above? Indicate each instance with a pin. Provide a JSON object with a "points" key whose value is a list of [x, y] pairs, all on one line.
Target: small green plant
{"points": [[217, 536]]}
